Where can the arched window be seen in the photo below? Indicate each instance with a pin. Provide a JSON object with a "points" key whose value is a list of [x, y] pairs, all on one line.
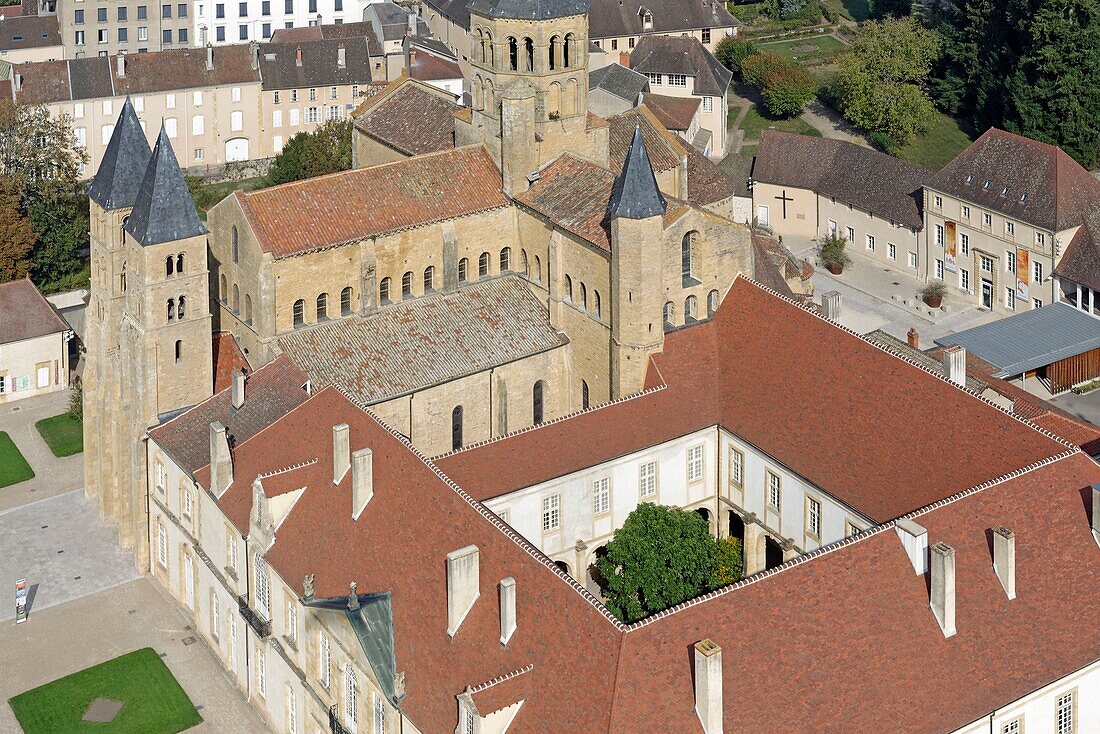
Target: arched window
{"points": [[523, 262], [479, 46], [571, 103], [553, 101], [407, 284], [528, 54], [552, 57], [384, 291], [235, 245], [299, 312], [712, 303], [456, 428], [568, 50], [597, 308], [345, 301], [179, 349], [122, 279], [322, 307], [584, 298], [182, 302], [223, 288], [492, 58], [171, 309], [506, 259], [584, 395], [247, 308], [536, 402], [236, 299], [483, 265], [568, 288], [670, 312], [687, 258], [429, 278], [513, 54], [689, 308], [169, 264], [179, 264], [463, 270], [538, 269]]}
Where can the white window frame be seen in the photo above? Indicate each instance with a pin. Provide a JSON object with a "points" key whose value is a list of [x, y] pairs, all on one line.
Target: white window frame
{"points": [[1065, 713], [964, 279], [162, 543], [351, 698], [215, 615], [891, 251], [773, 490], [551, 513], [601, 495], [737, 467], [647, 480], [813, 517], [261, 670], [914, 261], [695, 463], [262, 581], [1010, 261], [324, 659], [964, 243], [871, 242], [1010, 298], [1037, 272]]}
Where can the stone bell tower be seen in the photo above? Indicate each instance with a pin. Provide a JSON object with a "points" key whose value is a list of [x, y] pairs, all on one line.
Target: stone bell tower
{"points": [[529, 83], [637, 232]]}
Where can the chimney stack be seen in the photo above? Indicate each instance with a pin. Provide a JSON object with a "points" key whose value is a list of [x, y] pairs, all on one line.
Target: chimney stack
{"points": [[1004, 558], [954, 364], [624, 59], [221, 460], [362, 481], [341, 58], [913, 338], [298, 55], [120, 61], [412, 25], [238, 389], [914, 539], [209, 57], [17, 82], [412, 56], [507, 609], [463, 585], [943, 587], [830, 306], [708, 685], [254, 53], [341, 452]]}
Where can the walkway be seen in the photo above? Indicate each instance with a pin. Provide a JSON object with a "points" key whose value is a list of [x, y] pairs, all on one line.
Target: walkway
{"points": [[52, 475], [832, 125], [77, 635]]}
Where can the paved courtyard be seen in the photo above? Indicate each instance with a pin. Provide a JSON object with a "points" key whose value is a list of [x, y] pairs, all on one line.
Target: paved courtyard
{"points": [[876, 297], [63, 549], [52, 475], [64, 639]]}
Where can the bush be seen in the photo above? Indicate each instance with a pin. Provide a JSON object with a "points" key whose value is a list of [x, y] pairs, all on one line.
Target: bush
{"points": [[730, 563], [731, 51], [76, 403], [756, 69], [791, 8], [831, 251], [325, 150], [935, 289], [883, 142], [788, 91]]}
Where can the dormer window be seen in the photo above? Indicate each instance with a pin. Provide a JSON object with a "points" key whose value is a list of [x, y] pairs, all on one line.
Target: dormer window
{"points": [[1004, 191], [986, 185], [1023, 197], [647, 19], [969, 180]]}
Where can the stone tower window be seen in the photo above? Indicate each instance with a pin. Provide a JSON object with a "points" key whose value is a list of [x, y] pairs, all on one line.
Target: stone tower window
{"points": [[536, 402], [322, 307], [555, 47], [235, 243], [584, 298], [569, 288], [456, 428], [179, 349], [407, 284], [506, 259], [236, 298], [689, 308], [223, 288], [299, 312], [568, 51], [538, 269], [528, 54], [513, 54], [687, 259], [463, 270], [171, 309], [712, 303], [596, 307], [247, 309], [483, 265], [179, 309], [384, 291], [345, 301], [670, 312], [179, 264], [492, 53], [169, 264], [584, 395], [429, 278]]}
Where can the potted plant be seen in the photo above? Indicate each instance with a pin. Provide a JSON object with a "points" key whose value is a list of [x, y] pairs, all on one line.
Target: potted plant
{"points": [[934, 292], [832, 254]]}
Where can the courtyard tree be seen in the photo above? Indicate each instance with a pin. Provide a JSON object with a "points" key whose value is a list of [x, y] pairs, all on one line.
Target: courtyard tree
{"points": [[662, 556], [787, 91], [325, 150], [756, 69], [731, 51], [17, 237]]}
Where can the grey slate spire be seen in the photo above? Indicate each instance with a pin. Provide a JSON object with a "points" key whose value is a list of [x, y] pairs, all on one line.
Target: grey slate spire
{"points": [[164, 210], [115, 185], [530, 9], [635, 195]]}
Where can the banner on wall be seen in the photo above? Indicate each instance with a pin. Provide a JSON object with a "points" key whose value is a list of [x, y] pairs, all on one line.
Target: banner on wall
{"points": [[1023, 273], [949, 246], [20, 601]]}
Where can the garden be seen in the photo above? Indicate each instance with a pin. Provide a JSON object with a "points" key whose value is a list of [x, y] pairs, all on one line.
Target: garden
{"points": [[13, 467]]}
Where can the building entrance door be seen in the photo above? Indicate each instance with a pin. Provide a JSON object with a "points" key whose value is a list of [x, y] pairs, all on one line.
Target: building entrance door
{"points": [[987, 294]]}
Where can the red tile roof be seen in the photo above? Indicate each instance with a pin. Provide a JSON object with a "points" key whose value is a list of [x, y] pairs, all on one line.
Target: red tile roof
{"points": [[410, 117], [25, 313], [343, 207], [675, 113], [428, 67], [813, 411], [227, 359]]}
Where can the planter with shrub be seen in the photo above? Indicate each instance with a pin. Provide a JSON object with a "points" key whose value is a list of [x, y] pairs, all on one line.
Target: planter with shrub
{"points": [[832, 255], [933, 293]]}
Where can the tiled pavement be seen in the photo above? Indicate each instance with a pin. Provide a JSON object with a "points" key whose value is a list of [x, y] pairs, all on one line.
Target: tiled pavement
{"points": [[52, 475]]}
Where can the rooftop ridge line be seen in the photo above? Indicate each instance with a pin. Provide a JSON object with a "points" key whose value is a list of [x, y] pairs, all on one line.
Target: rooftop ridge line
{"points": [[491, 517], [286, 469], [501, 678]]}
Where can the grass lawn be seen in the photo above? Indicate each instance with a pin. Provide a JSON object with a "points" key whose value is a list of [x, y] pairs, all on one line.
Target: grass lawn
{"points": [[13, 467], [756, 119], [940, 144], [152, 701], [805, 49], [63, 434], [206, 195]]}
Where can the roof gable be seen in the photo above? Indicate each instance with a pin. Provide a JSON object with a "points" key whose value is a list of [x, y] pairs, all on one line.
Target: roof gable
{"points": [[163, 210], [25, 313], [123, 165], [635, 194]]}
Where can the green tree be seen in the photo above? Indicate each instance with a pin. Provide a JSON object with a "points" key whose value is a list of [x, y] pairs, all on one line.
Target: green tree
{"points": [[881, 83], [756, 69], [879, 9], [660, 557], [325, 150], [76, 403], [732, 50], [787, 91], [17, 237], [791, 8], [730, 562]]}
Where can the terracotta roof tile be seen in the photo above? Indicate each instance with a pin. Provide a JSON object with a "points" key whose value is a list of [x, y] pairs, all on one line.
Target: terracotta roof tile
{"points": [[25, 313], [307, 215], [425, 341], [810, 411], [882, 184], [573, 194], [410, 117], [662, 146], [320, 63], [706, 182], [675, 113], [228, 359], [428, 67]]}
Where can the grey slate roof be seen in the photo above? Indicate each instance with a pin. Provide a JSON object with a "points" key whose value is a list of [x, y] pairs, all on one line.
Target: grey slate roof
{"points": [[372, 622], [279, 67], [624, 83], [425, 341], [122, 168], [682, 55], [529, 9], [617, 18], [164, 210], [1031, 339], [456, 11], [635, 195], [1081, 261]]}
